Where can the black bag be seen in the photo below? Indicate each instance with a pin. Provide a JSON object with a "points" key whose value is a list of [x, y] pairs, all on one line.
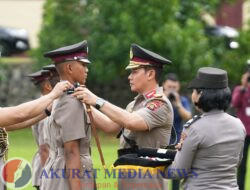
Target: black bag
{"points": [[147, 157]]}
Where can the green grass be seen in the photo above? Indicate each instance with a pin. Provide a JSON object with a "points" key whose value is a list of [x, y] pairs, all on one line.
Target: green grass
{"points": [[23, 145]]}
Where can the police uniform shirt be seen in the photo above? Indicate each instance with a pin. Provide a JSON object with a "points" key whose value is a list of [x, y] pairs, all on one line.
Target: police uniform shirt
{"points": [[70, 122], [157, 112], [211, 152]]}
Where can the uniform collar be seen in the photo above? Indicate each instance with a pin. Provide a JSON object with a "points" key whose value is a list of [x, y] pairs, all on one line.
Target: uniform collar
{"points": [[150, 94], [213, 112]]}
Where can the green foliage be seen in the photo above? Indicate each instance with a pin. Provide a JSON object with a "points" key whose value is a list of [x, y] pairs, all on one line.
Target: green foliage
{"points": [[61, 26], [173, 29]]}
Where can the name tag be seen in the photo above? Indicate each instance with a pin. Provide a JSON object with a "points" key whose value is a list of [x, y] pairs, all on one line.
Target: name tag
{"points": [[247, 111]]}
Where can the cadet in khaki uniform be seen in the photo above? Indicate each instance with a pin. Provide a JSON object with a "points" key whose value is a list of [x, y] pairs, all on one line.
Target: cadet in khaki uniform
{"points": [[48, 130], [147, 121], [53, 81], [41, 155], [72, 131], [213, 142], [42, 80]]}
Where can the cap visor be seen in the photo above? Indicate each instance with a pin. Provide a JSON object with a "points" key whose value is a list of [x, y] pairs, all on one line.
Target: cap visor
{"points": [[85, 61], [130, 66]]}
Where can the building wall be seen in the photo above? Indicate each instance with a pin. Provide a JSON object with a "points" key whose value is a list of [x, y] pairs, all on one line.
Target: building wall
{"points": [[230, 14], [25, 14]]}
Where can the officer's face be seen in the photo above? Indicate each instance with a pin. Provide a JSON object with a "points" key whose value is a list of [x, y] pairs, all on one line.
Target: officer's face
{"points": [[79, 72], [137, 79]]}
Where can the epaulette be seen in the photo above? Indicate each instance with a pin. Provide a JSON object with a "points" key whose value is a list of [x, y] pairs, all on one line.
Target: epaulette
{"points": [[191, 121]]}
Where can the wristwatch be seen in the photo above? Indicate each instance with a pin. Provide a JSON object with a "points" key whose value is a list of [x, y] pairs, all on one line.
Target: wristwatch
{"points": [[99, 103]]}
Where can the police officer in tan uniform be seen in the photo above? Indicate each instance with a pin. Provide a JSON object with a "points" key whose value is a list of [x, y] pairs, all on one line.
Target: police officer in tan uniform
{"points": [[212, 142], [147, 121], [41, 80], [72, 130], [48, 130], [47, 133], [45, 80]]}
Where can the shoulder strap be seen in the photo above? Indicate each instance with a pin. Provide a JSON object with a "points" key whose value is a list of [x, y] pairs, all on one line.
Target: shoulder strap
{"points": [[191, 121], [132, 143]]}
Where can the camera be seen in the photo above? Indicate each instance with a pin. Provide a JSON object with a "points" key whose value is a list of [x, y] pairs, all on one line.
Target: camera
{"points": [[171, 97], [72, 90]]}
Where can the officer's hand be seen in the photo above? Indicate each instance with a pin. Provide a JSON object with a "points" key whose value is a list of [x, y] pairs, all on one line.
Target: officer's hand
{"points": [[85, 96], [60, 88]]}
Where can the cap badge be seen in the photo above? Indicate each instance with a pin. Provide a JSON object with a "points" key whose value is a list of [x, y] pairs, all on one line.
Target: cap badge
{"points": [[131, 54]]}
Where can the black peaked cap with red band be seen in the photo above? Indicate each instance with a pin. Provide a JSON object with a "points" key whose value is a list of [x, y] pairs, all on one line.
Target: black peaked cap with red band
{"points": [[75, 52], [140, 56], [39, 76]]}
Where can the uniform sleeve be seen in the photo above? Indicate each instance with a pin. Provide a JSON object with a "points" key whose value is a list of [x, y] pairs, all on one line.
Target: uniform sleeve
{"points": [[243, 144], [184, 158], [46, 132], [35, 133], [41, 133], [69, 115], [156, 114]]}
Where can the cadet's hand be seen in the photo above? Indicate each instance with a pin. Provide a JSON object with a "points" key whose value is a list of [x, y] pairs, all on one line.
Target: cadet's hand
{"points": [[85, 96], [60, 88]]}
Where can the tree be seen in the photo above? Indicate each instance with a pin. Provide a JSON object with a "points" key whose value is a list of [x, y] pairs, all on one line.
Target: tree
{"points": [[174, 29], [60, 27]]}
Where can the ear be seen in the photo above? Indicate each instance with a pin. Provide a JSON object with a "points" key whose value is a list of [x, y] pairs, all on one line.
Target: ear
{"points": [[151, 74], [48, 86], [68, 68]]}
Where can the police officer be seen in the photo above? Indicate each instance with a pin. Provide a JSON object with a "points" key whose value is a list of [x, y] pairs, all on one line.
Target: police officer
{"points": [[42, 80], [70, 124], [213, 142], [147, 121], [53, 81]]}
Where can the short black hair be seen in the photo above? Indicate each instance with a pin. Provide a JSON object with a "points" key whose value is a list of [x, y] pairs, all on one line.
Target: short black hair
{"points": [[211, 99], [171, 76], [158, 72]]}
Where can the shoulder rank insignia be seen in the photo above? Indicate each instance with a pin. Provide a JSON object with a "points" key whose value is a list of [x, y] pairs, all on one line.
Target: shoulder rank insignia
{"points": [[154, 105], [191, 121], [150, 94]]}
